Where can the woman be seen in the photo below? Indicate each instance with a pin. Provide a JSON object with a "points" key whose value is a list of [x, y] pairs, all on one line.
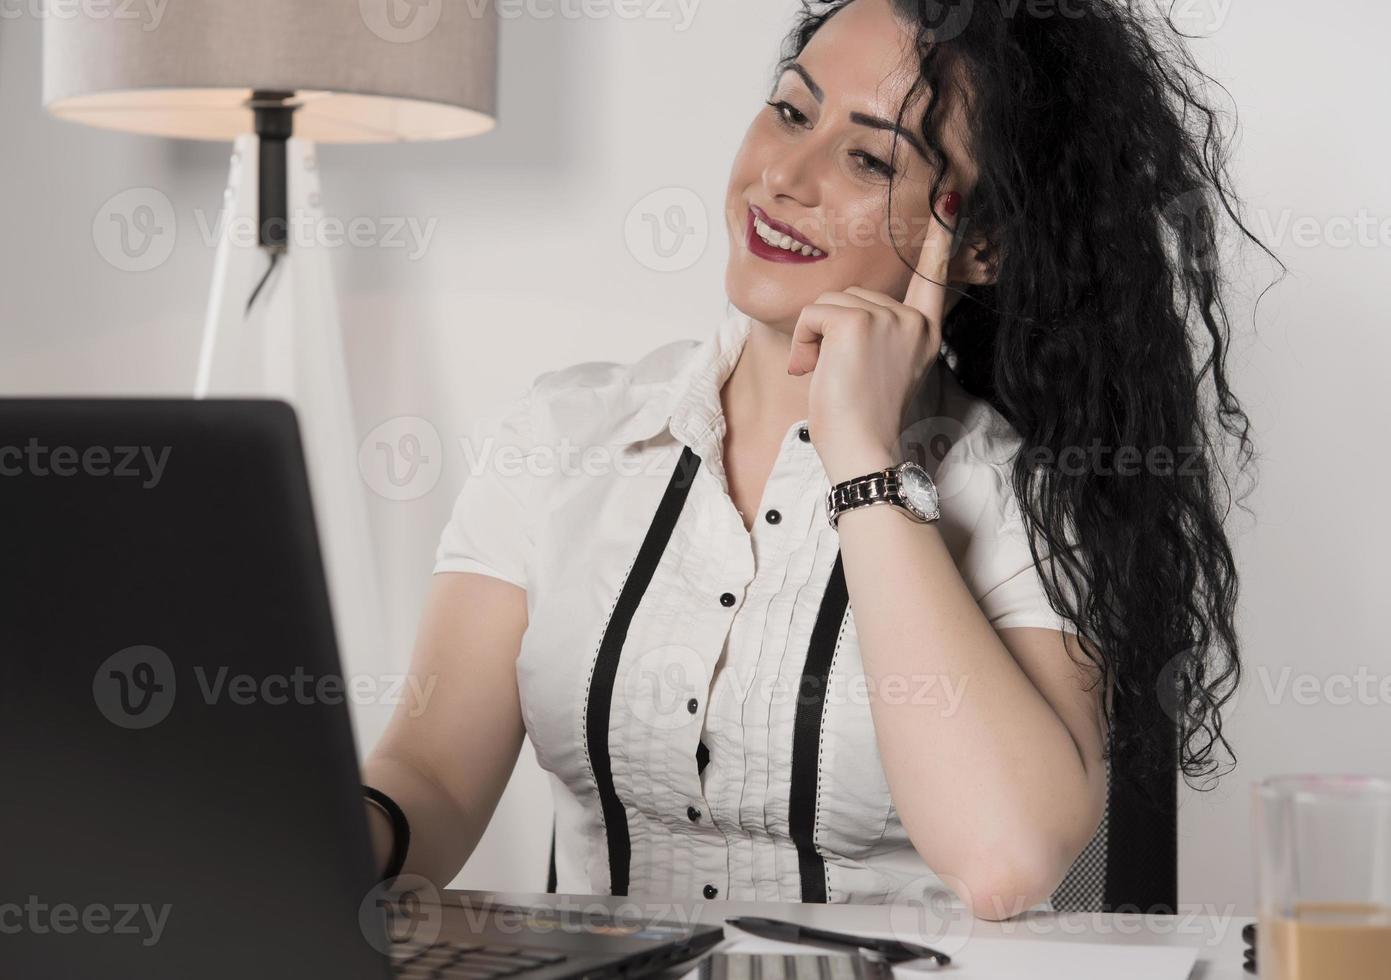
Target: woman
{"points": [[669, 617]]}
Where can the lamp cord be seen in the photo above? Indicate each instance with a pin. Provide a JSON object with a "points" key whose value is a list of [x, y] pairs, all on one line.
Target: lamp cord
{"points": [[274, 258]]}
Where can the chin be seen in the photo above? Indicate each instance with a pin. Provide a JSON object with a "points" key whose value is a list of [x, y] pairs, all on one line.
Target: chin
{"points": [[764, 300]]}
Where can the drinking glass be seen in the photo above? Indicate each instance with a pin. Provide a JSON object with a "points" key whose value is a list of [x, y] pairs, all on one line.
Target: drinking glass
{"points": [[1323, 877]]}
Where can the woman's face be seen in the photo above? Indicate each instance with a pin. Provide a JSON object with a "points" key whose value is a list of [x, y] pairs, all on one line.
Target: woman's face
{"points": [[817, 161]]}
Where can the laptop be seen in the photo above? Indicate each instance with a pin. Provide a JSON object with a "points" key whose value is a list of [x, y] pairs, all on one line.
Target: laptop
{"points": [[181, 789]]}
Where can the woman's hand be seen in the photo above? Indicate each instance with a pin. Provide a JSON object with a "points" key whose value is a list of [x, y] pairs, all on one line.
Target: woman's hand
{"points": [[870, 353]]}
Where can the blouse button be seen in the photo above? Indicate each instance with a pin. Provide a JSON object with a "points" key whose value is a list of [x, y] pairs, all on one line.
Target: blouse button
{"points": [[692, 705], [772, 517], [710, 891], [692, 814], [803, 434], [727, 599]]}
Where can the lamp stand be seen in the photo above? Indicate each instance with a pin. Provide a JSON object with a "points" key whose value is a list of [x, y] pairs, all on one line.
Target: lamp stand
{"points": [[288, 345]]}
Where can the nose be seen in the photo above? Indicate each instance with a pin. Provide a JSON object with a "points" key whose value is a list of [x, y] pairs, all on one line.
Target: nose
{"points": [[793, 172]]}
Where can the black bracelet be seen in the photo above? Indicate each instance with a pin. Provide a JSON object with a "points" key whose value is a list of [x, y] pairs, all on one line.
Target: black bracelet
{"points": [[400, 830]]}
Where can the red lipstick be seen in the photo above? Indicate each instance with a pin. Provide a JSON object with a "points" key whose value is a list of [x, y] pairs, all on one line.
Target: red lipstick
{"points": [[773, 253]]}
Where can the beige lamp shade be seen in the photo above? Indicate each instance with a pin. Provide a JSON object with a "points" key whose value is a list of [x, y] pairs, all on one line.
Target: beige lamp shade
{"points": [[363, 71]]}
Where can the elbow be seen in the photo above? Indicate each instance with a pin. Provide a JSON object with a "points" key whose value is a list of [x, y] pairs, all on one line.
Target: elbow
{"points": [[1008, 884], [1022, 869], [1000, 872]]}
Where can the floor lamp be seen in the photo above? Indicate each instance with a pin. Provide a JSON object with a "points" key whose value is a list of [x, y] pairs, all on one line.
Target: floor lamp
{"points": [[278, 77]]}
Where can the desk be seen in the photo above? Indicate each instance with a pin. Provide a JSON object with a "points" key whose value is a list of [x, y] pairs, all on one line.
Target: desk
{"points": [[1217, 937]]}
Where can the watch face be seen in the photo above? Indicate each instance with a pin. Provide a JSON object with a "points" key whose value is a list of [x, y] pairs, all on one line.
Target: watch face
{"points": [[918, 488]]}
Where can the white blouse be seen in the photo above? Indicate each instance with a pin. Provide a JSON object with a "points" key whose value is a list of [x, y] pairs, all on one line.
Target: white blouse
{"points": [[694, 688]]}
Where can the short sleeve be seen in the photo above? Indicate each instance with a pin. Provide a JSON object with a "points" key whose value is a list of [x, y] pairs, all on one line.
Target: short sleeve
{"points": [[489, 530], [1020, 600], [994, 556]]}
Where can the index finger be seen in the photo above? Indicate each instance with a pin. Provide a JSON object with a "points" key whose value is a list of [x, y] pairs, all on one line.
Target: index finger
{"points": [[927, 291]]}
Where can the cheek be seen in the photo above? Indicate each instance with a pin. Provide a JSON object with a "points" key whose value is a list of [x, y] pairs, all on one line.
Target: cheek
{"points": [[882, 246], [867, 240], [858, 219]]}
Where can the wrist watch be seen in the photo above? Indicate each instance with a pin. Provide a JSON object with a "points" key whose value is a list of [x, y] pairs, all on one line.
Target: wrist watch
{"points": [[905, 486]]}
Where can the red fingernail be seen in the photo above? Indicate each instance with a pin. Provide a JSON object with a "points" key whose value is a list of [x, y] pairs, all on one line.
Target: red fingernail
{"points": [[950, 203]]}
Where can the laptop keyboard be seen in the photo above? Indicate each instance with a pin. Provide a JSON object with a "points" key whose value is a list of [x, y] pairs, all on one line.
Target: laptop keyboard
{"points": [[465, 961]]}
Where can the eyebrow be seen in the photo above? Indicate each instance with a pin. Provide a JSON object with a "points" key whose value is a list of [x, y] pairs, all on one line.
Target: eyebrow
{"points": [[873, 122]]}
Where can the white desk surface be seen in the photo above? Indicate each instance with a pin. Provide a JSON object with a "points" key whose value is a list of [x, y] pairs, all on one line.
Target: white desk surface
{"points": [[1216, 937]]}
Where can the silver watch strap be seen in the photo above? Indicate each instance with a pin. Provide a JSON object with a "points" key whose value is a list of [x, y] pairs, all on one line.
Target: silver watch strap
{"points": [[881, 486]]}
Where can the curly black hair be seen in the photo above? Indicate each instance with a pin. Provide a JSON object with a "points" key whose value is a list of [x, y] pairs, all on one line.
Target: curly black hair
{"points": [[1100, 172]]}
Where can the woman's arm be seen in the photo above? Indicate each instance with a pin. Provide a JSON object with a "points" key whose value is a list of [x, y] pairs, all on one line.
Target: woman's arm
{"points": [[446, 756], [1001, 785]]}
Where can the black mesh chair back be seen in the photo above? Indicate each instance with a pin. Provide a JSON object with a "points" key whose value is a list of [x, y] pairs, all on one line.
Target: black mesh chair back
{"points": [[1131, 863]]}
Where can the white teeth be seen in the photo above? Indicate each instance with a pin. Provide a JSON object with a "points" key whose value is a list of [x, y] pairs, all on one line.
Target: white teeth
{"points": [[780, 240]]}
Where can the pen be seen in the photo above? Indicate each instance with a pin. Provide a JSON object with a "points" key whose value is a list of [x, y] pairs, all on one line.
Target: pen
{"points": [[893, 950]]}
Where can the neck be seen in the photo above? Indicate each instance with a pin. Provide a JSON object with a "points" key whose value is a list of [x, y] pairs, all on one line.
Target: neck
{"points": [[759, 395]]}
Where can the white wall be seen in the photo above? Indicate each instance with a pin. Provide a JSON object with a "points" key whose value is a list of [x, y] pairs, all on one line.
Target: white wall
{"points": [[527, 268]]}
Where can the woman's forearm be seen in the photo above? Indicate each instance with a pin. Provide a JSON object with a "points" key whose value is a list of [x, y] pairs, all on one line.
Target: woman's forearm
{"points": [[987, 778], [443, 833], [448, 752]]}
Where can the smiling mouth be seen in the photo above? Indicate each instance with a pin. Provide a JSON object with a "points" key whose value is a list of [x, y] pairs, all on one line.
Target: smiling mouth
{"points": [[778, 244]]}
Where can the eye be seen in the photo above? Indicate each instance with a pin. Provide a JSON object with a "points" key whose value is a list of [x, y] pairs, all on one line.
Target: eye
{"points": [[873, 164], [782, 108], [792, 118]]}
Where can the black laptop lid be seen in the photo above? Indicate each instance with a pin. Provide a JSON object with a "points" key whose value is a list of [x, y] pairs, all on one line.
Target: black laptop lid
{"points": [[179, 777]]}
